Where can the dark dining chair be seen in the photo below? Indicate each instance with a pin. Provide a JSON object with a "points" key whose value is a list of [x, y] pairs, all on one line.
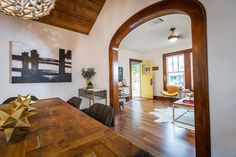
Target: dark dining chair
{"points": [[9, 100], [101, 113], [75, 101], [33, 98]]}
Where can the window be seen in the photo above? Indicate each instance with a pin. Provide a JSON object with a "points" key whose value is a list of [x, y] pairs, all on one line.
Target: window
{"points": [[177, 69]]}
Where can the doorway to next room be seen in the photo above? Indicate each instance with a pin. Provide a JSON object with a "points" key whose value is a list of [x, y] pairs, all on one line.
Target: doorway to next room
{"points": [[135, 78], [156, 81]]}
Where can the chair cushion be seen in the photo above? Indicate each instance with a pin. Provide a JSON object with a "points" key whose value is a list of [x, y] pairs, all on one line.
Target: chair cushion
{"points": [[173, 89], [165, 93]]}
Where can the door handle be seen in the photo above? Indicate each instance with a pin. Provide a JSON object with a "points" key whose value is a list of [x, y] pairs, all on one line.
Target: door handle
{"points": [[151, 82]]}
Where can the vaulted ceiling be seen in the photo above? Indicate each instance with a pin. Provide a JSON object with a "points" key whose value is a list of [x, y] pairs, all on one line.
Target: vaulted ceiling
{"points": [[74, 15]]}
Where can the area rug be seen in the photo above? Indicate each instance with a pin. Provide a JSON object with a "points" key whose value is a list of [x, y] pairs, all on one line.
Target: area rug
{"points": [[165, 115]]}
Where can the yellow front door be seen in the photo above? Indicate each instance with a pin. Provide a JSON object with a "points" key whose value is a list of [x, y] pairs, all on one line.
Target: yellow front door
{"points": [[146, 80]]}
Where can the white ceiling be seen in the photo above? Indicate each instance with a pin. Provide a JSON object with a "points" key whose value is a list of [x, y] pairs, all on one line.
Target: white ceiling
{"points": [[151, 36]]}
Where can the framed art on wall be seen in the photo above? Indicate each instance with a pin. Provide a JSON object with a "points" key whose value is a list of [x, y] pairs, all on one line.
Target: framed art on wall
{"points": [[32, 64]]}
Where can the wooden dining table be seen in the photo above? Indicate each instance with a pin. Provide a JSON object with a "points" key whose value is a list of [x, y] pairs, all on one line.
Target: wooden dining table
{"points": [[60, 130]]}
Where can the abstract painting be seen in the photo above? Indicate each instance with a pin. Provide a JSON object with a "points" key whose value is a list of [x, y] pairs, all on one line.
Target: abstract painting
{"points": [[34, 64]]}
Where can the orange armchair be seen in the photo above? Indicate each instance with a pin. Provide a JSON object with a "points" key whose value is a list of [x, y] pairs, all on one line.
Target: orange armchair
{"points": [[172, 91]]}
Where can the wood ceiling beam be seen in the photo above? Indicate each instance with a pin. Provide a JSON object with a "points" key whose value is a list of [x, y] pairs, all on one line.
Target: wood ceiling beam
{"points": [[74, 15], [77, 7]]}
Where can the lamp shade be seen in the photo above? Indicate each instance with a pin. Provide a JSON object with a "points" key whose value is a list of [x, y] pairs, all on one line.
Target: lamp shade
{"points": [[27, 9], [173, 38]]}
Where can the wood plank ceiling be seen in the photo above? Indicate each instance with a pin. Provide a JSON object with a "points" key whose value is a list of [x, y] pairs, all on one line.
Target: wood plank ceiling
{"points": [[74, 15]]}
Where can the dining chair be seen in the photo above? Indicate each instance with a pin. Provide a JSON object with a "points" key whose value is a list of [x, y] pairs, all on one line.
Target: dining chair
{"points": [[75, 101], [101, 113], [8, 100], [33, 98]]}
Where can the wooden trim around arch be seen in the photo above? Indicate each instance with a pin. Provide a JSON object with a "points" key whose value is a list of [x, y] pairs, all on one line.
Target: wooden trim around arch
{"points": [[196, 11]]}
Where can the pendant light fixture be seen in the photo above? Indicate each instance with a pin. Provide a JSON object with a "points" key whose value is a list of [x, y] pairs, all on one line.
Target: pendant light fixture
{"points": [[27, 9], [173, 37]]}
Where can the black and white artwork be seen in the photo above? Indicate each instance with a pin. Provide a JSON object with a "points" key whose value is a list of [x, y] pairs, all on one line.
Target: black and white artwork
{"points": [[33, 64]]}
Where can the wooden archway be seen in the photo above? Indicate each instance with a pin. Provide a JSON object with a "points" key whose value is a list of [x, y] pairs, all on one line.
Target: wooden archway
{"points": [[196, 11]]}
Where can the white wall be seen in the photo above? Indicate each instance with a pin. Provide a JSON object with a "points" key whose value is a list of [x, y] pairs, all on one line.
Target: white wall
{"points": [[113, 14], [156, 57], [221, 24], [123, 61], [13, 29]]}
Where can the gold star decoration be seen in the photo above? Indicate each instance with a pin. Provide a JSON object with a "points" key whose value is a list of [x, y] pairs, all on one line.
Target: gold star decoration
{"points": [[24, 101], [12, 120], [14, 116]]}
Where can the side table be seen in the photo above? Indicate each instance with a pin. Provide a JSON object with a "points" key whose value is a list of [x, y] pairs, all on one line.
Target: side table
{"points": [[93, 94]]}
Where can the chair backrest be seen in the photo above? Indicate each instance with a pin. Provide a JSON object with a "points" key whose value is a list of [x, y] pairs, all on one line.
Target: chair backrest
{"points": [[9, 100], [75, 101], [13, 98], [172, 88], [34, 98], [101, 113]]}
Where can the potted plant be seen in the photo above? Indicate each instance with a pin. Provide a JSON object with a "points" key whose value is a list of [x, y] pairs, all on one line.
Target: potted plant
{"points": [[88, 74], [191, 96]]}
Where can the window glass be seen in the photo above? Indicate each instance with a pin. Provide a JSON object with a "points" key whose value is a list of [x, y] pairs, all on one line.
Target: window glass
{"points": [[175, 73], [176, 78], [181, 63], [170, 64], [146, 69]]}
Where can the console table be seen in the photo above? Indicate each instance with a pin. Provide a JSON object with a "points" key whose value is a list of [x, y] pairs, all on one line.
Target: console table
{"points": [[93, 94], [124, 96]]}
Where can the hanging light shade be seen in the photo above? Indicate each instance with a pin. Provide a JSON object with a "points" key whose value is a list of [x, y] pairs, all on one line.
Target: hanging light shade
{"points": [[27, 9], [173, 37]]}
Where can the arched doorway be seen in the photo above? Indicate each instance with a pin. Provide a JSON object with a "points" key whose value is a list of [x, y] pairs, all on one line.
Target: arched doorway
{"points": [[196, 11]]}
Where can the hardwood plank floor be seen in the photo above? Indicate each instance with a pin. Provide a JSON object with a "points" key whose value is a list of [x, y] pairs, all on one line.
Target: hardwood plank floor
{"points": [[160, 139]]}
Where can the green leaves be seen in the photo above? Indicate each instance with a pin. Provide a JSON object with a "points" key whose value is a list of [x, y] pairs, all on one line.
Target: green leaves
{"points": [[88, 73]]}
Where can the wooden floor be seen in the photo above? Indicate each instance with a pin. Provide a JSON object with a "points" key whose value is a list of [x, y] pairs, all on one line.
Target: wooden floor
{"points": [[160, 139]]}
